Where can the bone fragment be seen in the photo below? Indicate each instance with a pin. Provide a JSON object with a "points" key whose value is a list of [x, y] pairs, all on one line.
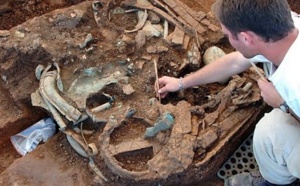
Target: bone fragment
{"points": [[247, 86], [166, 29], [101, 107]]}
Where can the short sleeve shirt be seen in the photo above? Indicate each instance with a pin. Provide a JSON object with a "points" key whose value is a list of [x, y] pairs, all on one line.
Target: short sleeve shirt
{"points": [[286, 77]]}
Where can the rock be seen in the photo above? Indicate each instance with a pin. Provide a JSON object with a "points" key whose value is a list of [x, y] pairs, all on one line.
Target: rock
{"points": [[4, 33], [153, 29], [140, 39], [128, 89], [211, 54], [153, 17]]}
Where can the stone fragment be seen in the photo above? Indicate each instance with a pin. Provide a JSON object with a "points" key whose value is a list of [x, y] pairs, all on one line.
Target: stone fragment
{"points": [[205, 22], [213, 27], [19, 34], [169, 38], [211, 55], [161, 49], [194, 56], [186, 41], [4, 33], [140, 39], [153, 30], [147, 57], [153, 17], [200, 15], [209, 138], [151, 49], [128, 89], [178, 36]]}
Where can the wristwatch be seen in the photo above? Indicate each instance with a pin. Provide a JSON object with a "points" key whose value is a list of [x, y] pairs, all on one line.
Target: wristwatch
{"points": [[284, 107]]}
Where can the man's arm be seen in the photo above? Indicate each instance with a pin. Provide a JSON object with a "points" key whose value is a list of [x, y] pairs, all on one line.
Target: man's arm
{"points": [[220, 69]]}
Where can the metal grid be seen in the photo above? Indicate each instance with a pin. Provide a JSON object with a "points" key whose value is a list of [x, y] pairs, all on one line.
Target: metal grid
{"points": [[242, 160]]}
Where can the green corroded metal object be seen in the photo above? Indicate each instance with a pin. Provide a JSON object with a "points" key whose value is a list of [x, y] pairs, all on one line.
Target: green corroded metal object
{"points": [[163, 123]]}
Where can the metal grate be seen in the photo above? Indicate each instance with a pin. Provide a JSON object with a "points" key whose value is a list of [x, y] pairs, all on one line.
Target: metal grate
{"points": [[242, 160]]}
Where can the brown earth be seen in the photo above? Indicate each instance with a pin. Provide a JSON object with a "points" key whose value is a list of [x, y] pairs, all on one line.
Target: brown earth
{"points": [[57, 155]]}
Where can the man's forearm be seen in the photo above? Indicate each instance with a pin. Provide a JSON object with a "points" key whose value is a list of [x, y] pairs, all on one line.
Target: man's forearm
{"points": [[222, 68]]}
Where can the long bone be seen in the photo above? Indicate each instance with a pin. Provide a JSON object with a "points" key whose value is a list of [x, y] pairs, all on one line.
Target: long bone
{"points": [[48, 91]]}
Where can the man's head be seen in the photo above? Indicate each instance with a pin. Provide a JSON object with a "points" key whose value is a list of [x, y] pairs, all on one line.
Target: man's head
{"points": [[269, 19]]}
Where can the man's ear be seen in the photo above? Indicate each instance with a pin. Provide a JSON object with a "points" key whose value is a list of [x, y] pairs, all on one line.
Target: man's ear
{"points": [[244, 37], [247, 37]]}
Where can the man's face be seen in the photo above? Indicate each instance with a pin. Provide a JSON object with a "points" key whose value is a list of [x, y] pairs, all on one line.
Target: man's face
{"points": [[239, 43]]}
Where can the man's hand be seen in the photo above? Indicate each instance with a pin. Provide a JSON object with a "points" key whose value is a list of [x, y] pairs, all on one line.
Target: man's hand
{"points": [[166, 84], [269, 93]]}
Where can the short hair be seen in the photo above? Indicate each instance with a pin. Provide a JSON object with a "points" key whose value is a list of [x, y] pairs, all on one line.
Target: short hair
{"points": [[270, 19]]}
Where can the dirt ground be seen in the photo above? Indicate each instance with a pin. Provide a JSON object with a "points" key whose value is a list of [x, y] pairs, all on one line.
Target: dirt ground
{"points": [[20, 11]]}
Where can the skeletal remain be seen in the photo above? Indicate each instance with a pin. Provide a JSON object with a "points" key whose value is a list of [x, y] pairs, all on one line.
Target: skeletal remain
{"points": [[101, 107], [166, 29], [247, 86]]}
